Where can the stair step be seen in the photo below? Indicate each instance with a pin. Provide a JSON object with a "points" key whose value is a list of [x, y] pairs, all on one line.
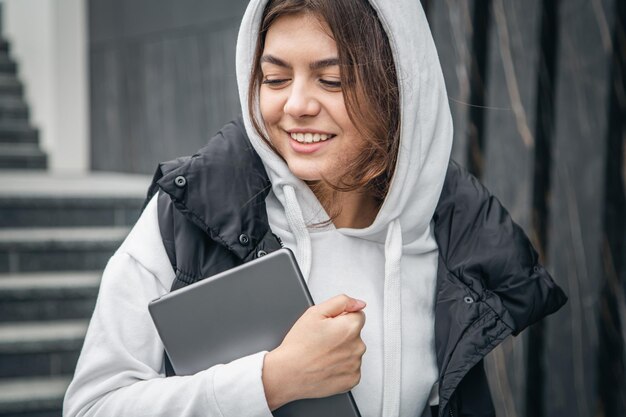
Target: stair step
{"points": [[17, 131], [102, 185], [48, 296], [10, 85], [29, 199], [22, 156], [13, 109], [42, 336], [33, 397], [30, 212], [58, 249], [7, 64], [40, 348], [58, 284]]}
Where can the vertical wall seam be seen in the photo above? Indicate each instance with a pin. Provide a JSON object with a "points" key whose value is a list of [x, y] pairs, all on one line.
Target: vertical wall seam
{"points": [[611, 356], [481, 21], [541, 190]]}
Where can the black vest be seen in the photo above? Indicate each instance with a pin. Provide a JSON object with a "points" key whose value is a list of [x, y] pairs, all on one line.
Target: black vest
{"points": [[212, 217]]}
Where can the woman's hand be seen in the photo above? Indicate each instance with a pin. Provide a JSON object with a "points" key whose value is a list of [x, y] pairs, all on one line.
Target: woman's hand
{"points": [[320, 356]]}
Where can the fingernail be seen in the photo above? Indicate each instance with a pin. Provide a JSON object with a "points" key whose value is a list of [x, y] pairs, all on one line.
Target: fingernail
{"points": [[360, 303]]}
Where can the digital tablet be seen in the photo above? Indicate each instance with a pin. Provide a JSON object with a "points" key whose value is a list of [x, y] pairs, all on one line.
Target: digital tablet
{"points": [[236, 313]]}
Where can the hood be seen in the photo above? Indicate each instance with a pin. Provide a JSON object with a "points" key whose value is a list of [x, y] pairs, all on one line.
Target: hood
{"points": [[426, 124]]}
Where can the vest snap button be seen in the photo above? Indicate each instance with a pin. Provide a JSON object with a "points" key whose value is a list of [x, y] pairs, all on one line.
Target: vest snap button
{"points": [[468, 300], [180, 181], [261, 253], [244, 239]]}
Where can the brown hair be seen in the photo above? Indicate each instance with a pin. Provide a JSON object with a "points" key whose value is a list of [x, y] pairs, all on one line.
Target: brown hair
{"points": [[368, 75]]}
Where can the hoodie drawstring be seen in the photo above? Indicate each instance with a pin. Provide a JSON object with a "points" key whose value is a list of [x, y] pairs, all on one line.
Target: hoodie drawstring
{"points": [[392, 322], [392, 297], [298, 228]]}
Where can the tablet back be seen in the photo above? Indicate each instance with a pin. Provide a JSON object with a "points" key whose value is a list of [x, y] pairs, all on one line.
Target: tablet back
{"points": [[244, 310]]}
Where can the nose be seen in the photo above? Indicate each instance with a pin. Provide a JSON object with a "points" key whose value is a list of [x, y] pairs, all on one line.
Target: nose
{"points": [[301, 101]]}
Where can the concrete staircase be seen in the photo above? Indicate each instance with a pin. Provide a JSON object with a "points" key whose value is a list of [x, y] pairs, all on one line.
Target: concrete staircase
{"points": [[56, 235], [19, 141]]}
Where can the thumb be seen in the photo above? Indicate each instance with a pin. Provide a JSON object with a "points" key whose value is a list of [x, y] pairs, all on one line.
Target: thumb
{"points": [[340, 304]]}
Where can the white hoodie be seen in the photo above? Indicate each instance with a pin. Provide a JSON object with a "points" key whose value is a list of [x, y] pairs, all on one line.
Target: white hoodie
{"points": [[392, 265]]}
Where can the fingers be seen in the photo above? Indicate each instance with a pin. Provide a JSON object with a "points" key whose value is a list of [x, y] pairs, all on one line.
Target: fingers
{"points": [[355, 305], [333, 307], [352, 321], [361, 348]]}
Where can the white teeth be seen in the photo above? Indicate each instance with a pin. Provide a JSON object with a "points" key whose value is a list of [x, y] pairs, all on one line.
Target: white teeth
{"points": [[310, 137]]}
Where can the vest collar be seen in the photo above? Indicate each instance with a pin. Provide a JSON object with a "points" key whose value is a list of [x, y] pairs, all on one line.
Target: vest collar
{"points": [[230, 209]]}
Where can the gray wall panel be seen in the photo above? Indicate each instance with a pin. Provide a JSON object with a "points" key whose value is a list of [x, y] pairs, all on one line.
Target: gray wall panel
{"points": [[112, 20], [107, 106], [511, 99], [104, 20], [577, 205], [162, 79], [217, 72], [508, 168], [451, 24]]}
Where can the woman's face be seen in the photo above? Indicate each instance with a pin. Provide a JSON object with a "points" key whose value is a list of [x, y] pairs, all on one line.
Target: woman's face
{"points": [[301, 100]]}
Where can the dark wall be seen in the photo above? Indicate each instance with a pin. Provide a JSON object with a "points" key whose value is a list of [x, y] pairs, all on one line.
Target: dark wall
{"points": [[537, 94], [162, 78]]}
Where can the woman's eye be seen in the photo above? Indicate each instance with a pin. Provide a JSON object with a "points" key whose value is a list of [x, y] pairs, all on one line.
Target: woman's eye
{"points": [[275, 82], [331, 84]]}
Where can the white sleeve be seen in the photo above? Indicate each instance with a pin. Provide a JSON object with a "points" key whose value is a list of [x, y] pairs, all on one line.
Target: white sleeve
{"points": [[120, 369]]}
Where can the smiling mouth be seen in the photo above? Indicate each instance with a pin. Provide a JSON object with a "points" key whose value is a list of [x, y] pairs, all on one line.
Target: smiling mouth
{"points": [[310, 137]]}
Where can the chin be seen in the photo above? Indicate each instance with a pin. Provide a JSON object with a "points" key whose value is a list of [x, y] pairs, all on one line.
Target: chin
{"points": [[305, 174]]}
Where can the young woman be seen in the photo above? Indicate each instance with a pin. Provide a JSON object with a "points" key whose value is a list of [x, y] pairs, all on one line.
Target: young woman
{"points": [[342, 152]]}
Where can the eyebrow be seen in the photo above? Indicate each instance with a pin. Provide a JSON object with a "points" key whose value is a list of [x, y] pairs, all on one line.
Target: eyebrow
{"points": [[324, 63]]}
